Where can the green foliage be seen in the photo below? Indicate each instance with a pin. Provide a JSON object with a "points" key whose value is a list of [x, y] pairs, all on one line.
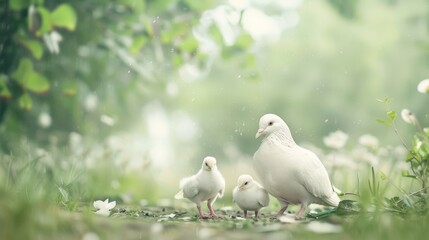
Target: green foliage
{"points": [[30, 79], [65, 17], [35, 47]]}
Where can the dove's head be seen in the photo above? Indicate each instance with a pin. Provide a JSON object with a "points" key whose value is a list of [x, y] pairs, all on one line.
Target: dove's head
{"points": [[270, 123], [245, 182], [209, 163]]}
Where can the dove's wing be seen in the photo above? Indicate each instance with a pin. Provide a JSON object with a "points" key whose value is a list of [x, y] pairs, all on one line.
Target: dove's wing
{"points": [[313, 175]]}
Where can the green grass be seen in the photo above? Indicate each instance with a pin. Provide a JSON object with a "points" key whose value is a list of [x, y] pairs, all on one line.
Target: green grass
{"points": [[50, 196]]}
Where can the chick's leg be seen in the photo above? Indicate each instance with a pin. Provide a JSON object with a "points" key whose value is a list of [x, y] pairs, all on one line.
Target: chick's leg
{"points": [[209, 205], [200, 213]]}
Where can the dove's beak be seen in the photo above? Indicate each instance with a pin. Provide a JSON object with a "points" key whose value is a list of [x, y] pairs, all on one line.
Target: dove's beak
{"points": [[259, 132]]}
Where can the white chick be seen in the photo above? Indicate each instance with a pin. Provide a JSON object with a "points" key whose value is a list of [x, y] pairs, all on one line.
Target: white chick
{"points": [[249, 195], [292, 174], [207, 185]]}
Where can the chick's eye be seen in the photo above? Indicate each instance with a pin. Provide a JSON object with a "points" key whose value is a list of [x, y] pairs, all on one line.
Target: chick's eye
{"points": [[270, 123]]}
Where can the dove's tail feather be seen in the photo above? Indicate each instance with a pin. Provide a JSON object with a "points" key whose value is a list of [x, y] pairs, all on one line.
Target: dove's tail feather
{"points": [[337, 190], [179, 195], [333, 200]]}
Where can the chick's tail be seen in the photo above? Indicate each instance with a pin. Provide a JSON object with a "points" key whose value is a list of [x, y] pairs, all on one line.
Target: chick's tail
{"points": [[179, 195]]}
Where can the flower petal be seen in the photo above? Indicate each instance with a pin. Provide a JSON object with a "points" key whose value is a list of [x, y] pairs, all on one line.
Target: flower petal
{"points": [[103, 212], [423, 86], [99, 204], [111, 205]]}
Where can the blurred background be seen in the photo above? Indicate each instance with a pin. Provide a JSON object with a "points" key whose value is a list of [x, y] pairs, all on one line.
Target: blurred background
{"points": [[123, 98]]}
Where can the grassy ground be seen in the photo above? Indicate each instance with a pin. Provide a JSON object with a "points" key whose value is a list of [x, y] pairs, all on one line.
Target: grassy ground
{"points": [[50, 196], [23, 220]]}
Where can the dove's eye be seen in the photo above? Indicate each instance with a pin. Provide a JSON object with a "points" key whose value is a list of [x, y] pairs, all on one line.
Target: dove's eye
{"points": [[270, 123], [207, 165], [246, 183]]}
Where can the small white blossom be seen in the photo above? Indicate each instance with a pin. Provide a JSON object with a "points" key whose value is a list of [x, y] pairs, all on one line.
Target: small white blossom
{"points": [[109, 121], [104, 207], [52, 41], [90, 236], [45, 120], [423, 86], [408, 116], [91, 102], [336, 139], [369, 141], [75, 139]]}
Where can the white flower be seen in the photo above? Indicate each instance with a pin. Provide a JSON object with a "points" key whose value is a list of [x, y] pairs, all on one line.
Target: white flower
{"points": [[408, 116], [45, 120], [336, 139], [90, 236], [91, 102], [75, 139], [104, 207], [109, 121], [369, 141], [423, 86], [52, 40]]}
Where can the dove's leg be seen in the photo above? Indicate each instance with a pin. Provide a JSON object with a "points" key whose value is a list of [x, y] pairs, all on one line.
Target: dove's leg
{"points": [[301, 211], [256, 214], [283, 209], [245, 213]]}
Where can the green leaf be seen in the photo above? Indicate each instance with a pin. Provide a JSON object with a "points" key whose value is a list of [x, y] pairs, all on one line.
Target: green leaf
{"points": [[384, 122], [4, 90], [64, 16], [385, 101], [70, 88], [46, 25], [64, 194], [347, 207], [190, 44], [138, 43], [391, 115], [406, 173], [137, 5], [244, 41], [25, 102], [19, 4], [29, 79], [35, 47]]}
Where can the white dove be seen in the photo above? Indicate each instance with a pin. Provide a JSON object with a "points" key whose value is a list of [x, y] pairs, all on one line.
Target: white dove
{"points": [[207, 185], [250, 195], [292, 174]]}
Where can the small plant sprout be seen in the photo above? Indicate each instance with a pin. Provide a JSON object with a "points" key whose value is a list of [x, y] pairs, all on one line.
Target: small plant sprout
{"points": [[423, 86], [104, 207]]}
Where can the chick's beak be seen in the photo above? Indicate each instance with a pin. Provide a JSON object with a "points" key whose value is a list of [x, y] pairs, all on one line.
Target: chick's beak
{"points": [[259, 132]]}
